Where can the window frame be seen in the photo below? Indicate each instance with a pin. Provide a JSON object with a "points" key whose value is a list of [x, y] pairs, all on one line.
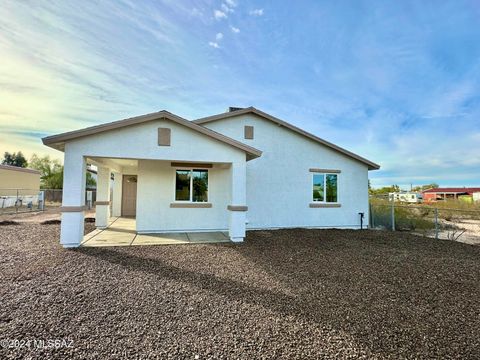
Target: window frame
{"points": [[190, 201], [324, 201]]}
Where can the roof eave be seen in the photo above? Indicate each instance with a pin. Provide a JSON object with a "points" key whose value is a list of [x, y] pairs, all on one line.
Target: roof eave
{"points": [[371, 165], [58, 141]]}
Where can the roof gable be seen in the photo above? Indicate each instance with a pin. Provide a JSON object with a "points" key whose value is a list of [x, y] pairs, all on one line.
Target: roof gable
{"points": [[17, 168], [58, 141], [251, 110]]}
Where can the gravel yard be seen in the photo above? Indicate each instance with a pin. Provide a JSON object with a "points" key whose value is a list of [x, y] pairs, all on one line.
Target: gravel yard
{"points": [[282, 294]]}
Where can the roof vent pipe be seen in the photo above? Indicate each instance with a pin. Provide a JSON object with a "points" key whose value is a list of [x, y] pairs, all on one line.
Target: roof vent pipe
{"points": [[232, 108]]}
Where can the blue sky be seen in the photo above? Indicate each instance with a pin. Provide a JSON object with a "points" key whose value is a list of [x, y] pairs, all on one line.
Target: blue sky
{"points": [[397, 82]]}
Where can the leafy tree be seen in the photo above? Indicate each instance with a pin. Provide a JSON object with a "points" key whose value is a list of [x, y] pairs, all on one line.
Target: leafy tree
{"points": [[425, 187], [51, 171], [91, 182], [14, 159], [385, 190]]}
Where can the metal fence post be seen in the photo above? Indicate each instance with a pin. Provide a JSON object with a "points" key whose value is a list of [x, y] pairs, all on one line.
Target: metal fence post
{"points": [[372, 220], [436, 223], [393, 215], [16, 203], [41, 200]]}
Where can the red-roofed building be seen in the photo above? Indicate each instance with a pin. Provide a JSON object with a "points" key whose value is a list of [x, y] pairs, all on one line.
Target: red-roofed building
{"points": [[448, 193]]}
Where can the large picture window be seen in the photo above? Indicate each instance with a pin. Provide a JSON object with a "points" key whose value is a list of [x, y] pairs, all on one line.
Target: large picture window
{"points": [[325, 188], [191, 185]]}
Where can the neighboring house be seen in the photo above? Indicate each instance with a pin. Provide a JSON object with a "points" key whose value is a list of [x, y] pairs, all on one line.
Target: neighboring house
{"points": [[243, 169], [409, 197], [13, 178], [18, 186], [437, 194]]}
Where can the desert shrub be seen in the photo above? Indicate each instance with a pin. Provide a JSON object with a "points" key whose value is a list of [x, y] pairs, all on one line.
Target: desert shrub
{"points": [[406, 218]]}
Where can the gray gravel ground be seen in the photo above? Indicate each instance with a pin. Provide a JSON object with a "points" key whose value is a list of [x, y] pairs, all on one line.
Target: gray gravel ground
{"points": [[282, 294]]}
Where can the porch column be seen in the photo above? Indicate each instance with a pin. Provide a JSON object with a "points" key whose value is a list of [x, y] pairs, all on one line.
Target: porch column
{"points": [[73, 199], [102, 209], [238, 207], [117, 194]]}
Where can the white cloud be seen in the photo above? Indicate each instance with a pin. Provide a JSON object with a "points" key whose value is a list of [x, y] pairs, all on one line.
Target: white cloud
{"points": [[214, 44], [256, 12], [234, 29], [219, 36], [196, 12], [219, 14], [231, 3], [226, 9]]}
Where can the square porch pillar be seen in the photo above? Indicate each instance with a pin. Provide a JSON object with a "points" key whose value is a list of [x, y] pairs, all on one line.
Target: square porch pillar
{"points": [[73, 199], [117, 194], [102, 205], [238, 207]]}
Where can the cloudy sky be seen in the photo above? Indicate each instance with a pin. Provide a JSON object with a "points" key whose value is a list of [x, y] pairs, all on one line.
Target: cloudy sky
{"points": [[397, 82]]}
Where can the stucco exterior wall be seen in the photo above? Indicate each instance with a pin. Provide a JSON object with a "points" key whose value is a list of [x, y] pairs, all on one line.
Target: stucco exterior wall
{"points": [[141, 142], [156, 186], [18, 179], [156, 191], [279, 183]]}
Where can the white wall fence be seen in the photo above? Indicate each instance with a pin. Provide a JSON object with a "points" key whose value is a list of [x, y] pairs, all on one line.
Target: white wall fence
{"points": [[31, 200]]}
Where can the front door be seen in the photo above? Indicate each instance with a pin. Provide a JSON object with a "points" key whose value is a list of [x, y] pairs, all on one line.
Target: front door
{"points": [[129, 195]]}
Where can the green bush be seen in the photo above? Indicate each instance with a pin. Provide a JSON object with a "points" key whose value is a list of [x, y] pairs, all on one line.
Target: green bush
{"points": [[406, 218]]}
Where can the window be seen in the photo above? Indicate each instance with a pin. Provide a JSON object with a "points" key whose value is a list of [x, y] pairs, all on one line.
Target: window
{"points": [[318, 187], [325, 188], [191, 185]]}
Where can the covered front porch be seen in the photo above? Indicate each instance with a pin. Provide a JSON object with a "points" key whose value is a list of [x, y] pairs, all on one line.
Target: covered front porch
{"points": [[160, 202], [171, 175], [121, 232]]}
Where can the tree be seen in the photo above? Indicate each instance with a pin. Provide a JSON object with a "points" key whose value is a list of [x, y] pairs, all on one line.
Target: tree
{"points": [[425, 187], [14, 159], [385, 190], [91, 182], [51, 171]]}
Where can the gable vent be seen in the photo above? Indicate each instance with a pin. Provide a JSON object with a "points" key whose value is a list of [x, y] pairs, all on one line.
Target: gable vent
{"points": [[164, 135]]}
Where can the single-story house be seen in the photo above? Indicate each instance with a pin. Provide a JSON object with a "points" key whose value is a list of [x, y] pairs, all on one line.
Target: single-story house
{"points": [[452, 193], [18, 180], [18, 186], [238, 170]]}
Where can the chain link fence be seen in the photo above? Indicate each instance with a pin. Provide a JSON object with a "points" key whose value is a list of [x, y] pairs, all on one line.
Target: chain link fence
{"points": [[33, 200], [442, 221]]}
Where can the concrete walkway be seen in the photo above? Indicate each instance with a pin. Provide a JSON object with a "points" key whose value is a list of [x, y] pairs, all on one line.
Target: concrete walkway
{"points": [[121, 232]]}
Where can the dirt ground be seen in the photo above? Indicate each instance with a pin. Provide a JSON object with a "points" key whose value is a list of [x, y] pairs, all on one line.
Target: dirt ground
{"points": [[282, 294], [465, 230], [50, 213]]}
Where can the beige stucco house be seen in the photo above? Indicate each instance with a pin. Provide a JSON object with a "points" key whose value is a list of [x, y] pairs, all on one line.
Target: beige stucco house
{"points": [[235, 171], [13, 178]]}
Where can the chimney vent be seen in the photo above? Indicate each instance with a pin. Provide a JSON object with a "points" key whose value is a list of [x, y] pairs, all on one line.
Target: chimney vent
{"points": [[232, 108]]}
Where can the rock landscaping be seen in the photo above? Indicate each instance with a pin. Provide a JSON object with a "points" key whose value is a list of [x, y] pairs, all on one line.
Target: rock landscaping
{"points": [[282, 294]]}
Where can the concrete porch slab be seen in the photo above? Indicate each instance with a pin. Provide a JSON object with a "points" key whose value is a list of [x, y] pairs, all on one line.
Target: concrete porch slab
{"points": [[207, 237], [161, 239], [121, 232]]}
